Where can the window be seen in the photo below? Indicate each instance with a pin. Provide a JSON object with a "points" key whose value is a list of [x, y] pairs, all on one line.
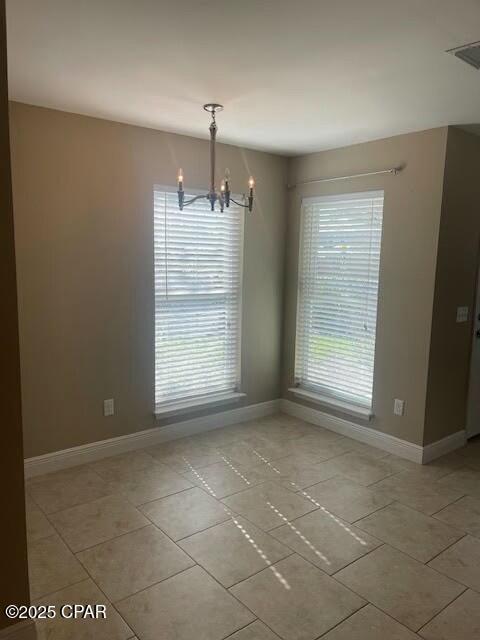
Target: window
{"points": [[337, 296], [198, 275]]}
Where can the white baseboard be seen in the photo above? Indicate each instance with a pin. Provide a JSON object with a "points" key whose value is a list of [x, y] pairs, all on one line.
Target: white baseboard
{"points": [[396, 446], [443, 446], [94, 451], [370, 436]]}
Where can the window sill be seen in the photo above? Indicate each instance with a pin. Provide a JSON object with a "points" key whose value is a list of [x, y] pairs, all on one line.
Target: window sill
{"points": [[339, 405], [185, 406]]}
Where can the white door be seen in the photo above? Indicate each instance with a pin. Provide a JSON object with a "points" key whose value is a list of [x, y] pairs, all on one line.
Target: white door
{"points": [[473, 402]]}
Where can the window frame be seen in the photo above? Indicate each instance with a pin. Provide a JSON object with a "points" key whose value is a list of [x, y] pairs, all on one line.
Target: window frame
{"points": [[190, 403], [316, 393]]}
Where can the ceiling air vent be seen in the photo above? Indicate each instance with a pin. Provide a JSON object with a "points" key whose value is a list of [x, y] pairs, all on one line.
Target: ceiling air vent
{"points": [[469, 53]]}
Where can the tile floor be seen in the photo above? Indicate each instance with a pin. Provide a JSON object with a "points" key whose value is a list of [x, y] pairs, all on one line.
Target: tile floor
{"points": [[270, 529]]}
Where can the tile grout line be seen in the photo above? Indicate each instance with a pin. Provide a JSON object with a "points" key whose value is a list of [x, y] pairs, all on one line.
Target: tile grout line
{"points": [[67, 586], [190, 535], [355, 522], [235, 584], [98, 544], [143, 504], [241, 628], [334, 575], [257, 619], [462, 537], [154, 584], [335, 626], [435, 513], [441, 610], [114, 607], [368, 604], [377, 482]]}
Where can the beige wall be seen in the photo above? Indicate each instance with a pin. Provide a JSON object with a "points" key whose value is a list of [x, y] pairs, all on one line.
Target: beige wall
{"points": [[83, 212], [13, 560], [456, 277], [84, 224], [408, 261]]}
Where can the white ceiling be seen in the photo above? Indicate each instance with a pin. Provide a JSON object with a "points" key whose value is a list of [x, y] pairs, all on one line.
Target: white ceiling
{"points": [[294, 75]]}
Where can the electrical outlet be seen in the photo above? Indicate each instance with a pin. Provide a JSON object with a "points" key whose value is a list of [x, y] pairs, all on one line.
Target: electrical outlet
{"points": [[398, 407], [108, 407]]}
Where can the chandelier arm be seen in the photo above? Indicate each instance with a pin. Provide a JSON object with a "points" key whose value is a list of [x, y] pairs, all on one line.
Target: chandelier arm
{"points": [[192, 200], [239, 204], [248, 206]]}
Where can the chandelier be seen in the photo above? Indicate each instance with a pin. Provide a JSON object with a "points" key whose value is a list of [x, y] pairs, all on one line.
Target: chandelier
{"points": [[224, 196]]}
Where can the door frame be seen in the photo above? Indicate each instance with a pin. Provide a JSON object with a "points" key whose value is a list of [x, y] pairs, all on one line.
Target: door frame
{"points": [[475, 326]]}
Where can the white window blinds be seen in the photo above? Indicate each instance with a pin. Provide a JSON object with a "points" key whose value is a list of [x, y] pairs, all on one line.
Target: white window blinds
{"points": [[198, 272], [337, 297]]}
